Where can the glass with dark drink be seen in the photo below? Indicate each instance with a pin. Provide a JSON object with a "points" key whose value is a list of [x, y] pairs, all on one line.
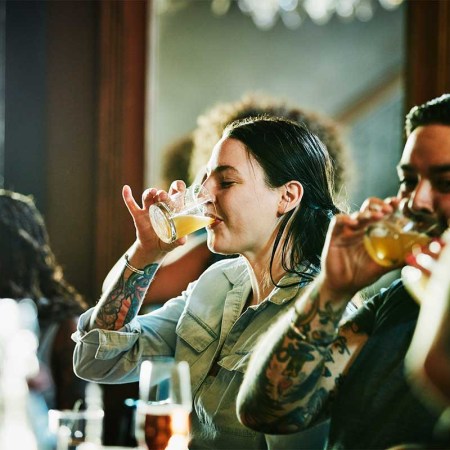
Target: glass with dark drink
{"points": [[165, 402]]}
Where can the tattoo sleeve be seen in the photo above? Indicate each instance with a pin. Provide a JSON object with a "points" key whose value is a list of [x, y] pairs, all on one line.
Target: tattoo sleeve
{"points": [[291, 376], [122, 303]]}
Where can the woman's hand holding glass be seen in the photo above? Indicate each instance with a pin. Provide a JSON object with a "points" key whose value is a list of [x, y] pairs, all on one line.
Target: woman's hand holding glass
{"points": [[182, 213], [146, 238]]}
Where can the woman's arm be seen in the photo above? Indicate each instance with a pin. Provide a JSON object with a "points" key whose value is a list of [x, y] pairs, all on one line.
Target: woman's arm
{"points": [[115, 356], [121, 302], [122, 299]]}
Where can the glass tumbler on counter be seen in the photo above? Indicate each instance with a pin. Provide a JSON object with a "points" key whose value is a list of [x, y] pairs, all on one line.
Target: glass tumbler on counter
{"points": [[73, 428], [164, 406]]}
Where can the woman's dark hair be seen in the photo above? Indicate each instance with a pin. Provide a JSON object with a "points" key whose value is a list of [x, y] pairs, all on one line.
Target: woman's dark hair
{"points": [[435, 111], [210, 126], [28, 266], [288, 151]]}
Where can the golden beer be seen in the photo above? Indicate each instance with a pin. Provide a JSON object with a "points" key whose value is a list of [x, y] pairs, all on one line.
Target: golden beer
{"points": [[185, 225], [182, 214], [162, 427], [391, 249]]}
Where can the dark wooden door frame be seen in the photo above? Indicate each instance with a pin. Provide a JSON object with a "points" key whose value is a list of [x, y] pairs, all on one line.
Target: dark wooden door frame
{"points": [[121, 119], [428, 50]]}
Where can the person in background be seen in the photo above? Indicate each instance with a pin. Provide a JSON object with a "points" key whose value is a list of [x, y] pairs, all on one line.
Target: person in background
{"points": [[211, 124], [176, 161], [271, 182], [28, 269], [186, 158], [312, 364]]}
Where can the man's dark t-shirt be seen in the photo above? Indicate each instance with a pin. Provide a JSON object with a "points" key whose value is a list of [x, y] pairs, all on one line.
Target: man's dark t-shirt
{"points": [[375, 407]]}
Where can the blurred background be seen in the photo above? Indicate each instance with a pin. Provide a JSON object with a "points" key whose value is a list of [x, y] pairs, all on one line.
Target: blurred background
{"points": [[92, 92]]}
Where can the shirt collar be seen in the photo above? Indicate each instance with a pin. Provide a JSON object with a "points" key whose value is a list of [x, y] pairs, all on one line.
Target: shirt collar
{"points": [[293, 282], [279, 295]]}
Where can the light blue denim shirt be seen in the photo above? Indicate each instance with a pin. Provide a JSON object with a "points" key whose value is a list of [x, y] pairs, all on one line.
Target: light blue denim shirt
{"points": [[205, 326]]}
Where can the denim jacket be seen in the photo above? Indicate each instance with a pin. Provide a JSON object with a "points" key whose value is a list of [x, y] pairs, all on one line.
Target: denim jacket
{"points": [[205, 326]]}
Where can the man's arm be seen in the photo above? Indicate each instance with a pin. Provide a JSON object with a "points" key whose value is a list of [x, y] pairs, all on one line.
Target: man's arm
{"points": [[298, 364]]}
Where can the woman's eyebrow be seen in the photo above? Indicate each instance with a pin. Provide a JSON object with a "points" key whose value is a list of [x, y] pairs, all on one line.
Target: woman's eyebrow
{"points": [[224, 168]]}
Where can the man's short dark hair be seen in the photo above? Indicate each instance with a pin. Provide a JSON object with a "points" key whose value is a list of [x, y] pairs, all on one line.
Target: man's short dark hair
{"points": [[435, 111]]}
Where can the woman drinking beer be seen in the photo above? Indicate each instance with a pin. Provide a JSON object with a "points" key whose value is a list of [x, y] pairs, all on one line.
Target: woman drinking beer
{"points": [[271, 203]]}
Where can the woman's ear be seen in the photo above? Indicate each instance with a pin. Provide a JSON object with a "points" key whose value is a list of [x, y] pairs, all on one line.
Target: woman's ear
{"points": [[291, 196]]}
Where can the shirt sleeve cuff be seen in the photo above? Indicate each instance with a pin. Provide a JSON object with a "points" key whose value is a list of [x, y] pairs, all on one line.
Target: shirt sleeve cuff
{"points": [[108, 343]]}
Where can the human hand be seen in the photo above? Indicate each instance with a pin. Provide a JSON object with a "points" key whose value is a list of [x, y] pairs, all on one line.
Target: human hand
{"points": [[425, 258], [146, 237], [346, 265], [421, 264]]}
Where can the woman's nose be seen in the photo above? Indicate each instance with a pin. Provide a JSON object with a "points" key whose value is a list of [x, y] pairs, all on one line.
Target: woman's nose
{"points": [[421, 199], [209, 185]]}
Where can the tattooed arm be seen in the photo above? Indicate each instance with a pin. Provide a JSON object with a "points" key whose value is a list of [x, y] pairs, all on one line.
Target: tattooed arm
{"points": [[299, 363], [122, 299], [121, 302]]}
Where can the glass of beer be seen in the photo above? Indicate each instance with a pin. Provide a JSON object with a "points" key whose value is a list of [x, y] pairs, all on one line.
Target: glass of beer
{"points": [[165, 402], [389, 240], [183, 213]]}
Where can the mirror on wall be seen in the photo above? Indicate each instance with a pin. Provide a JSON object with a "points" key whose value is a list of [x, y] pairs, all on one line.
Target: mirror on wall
{"points": [[349, 67]]}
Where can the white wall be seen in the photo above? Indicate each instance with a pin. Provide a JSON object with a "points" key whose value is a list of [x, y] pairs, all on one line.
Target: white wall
{"points": [[201, 60]]}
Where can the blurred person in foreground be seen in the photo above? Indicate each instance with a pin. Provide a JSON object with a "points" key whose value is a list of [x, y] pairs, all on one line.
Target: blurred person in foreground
{"points": [[28, 269], [271, 183], [428, 358], [312, 365]]}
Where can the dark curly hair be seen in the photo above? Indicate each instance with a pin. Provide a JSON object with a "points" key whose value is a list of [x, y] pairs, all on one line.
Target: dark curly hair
{"points": [[435, 111], [28, 266], [175, 165], [211, 124]]}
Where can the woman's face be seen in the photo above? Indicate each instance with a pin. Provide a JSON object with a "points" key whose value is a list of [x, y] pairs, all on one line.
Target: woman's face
{"points": [[247, 209]]}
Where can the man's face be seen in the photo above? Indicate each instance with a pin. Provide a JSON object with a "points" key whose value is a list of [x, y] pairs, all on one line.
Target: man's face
{"points": [[424, 171]]}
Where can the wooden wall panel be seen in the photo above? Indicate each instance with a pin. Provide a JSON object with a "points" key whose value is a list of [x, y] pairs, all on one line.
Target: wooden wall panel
{"points": [[70, 128], [120, 125], [428, 50]]}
